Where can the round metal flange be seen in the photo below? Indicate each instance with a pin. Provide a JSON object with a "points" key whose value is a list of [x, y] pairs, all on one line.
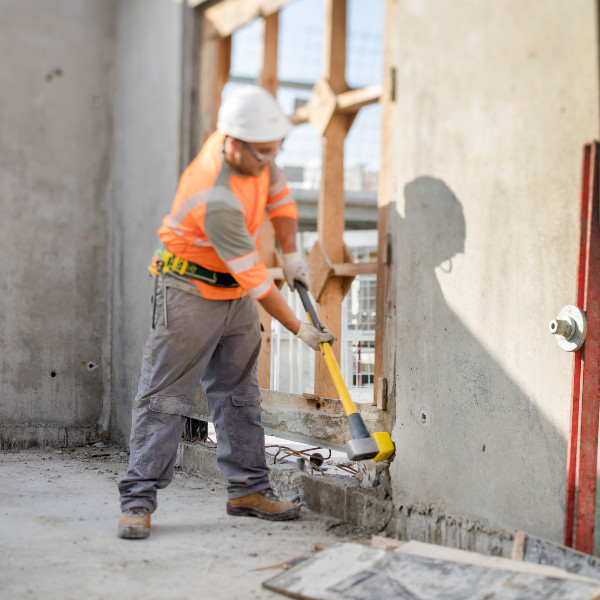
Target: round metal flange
{"points": [[570, 328]]}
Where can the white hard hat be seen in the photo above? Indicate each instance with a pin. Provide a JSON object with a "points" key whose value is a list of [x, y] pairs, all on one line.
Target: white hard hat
{"points": [[251, 114]]}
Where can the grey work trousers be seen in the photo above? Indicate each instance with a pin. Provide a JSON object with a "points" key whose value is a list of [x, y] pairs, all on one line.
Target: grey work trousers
{"points": [[215, 342]]}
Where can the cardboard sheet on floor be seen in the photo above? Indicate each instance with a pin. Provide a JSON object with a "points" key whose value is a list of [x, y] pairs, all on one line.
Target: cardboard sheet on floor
{"points": [[350, 571]]}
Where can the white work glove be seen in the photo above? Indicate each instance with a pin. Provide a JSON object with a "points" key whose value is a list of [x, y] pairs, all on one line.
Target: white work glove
{"points": [[295, 267], [313, 337]]}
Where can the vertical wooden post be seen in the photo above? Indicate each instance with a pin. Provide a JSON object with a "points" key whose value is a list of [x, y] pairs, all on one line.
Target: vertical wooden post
{"points": [[267, 254], [268, 80], [223, 66], [215, 62], [268, 75], [384, 326], [330, 220]]}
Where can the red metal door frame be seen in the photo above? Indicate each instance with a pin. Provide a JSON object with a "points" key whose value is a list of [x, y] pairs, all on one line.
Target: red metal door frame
{"points": [[585, 397]]}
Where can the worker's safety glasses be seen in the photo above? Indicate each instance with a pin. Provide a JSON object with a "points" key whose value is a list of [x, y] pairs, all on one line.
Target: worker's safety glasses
{"points": [[261, 158]]}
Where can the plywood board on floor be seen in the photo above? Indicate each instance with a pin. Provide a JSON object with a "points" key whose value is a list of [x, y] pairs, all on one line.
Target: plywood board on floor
{"points": [[435, 551], [536, 550], [353, 571]]}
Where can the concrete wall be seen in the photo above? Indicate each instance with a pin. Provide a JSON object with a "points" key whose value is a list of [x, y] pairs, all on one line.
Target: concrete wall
{"points": [[56, 111], [494, 103], [146, 171], [90, 105]]}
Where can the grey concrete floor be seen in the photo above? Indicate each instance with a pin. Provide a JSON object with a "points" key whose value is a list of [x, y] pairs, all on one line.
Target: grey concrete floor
{"points": [[58, 528]]}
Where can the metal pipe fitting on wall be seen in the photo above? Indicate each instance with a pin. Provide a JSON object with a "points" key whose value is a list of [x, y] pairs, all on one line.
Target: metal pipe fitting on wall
{"points": [[570, 328]]}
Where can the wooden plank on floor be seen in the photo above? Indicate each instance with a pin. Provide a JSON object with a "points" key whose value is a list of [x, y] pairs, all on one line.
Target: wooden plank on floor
{"points": [[349, 571], [319, 575], [353, 100], [438, 552], [544, 552]]}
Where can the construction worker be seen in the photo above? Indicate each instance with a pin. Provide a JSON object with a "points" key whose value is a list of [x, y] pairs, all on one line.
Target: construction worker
{"points": [[205, 324]]}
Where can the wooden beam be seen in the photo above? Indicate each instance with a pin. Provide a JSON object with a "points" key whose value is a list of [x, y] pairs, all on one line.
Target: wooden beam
{"points": [[268, 76], [330, 219], [223, 66], [385, 320], [209, 50], [335, 45], [215, 61], [319, 109], [330, 228], [268, 80], [354, 100], [229, 15], [540, 551], [421, 571], [300, 115], [268, 256], [321, 270], [354, 269], [322, 105]]}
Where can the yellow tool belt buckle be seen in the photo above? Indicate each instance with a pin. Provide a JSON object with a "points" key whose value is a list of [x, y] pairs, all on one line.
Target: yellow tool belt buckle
{"points": [[179, 266], [172, 263], [166, 257]]}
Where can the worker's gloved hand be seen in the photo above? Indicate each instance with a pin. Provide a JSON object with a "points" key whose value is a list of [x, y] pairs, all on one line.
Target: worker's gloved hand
{"points": [[295, 267], [313, 337]]}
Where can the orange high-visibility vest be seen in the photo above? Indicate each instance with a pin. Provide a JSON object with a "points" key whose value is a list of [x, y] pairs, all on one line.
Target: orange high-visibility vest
{"points": [[215, 218]]}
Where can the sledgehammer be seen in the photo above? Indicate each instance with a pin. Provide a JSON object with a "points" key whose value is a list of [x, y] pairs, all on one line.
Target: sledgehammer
{"points": [[362, 446]]}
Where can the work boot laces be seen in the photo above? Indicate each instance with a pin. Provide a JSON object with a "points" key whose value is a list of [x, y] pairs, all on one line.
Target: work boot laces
{"points": [[270, 494], [136, 511]]}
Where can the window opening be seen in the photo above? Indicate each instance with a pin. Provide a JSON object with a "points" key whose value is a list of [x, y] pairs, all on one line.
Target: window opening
{"points": [[300, 65]]}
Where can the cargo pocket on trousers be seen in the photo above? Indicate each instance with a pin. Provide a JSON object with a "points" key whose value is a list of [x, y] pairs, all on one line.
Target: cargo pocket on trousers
{"points": [[164, 422], [246, 433], [171, 405]]}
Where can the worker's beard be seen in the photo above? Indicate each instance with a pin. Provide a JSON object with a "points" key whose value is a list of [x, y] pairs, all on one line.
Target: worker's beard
{"points": [[254, 170]]}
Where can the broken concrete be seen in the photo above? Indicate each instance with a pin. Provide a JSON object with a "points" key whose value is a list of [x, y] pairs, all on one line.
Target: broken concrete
{"points": [[367, 506]]}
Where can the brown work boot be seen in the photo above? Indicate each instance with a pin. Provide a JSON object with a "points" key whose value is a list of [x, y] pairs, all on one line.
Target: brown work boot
{"points": [[264, 505], [134, 523]]}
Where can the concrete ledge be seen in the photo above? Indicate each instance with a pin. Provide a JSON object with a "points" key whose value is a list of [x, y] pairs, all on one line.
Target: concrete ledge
{"points": [[336, 496], [372, 510], [306, 418], [199, 458], [28, 435]]}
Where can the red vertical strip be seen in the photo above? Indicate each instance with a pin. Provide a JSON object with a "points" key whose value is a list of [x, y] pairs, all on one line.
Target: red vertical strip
{"points": [[576, 385], [573, 447], [590, 387]]}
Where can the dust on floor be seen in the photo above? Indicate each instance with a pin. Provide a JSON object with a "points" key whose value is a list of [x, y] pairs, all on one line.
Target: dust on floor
{"points": [[58, 527]]}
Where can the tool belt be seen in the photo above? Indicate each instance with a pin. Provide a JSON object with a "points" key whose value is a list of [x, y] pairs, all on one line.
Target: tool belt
{"points": [[166, 261]]}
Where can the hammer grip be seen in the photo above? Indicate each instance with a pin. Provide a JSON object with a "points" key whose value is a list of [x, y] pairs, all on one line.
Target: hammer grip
{"points": [[308, 307]]}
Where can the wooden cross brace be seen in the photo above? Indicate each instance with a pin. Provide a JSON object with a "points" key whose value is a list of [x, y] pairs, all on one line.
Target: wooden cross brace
{"points": [[324, 103]]}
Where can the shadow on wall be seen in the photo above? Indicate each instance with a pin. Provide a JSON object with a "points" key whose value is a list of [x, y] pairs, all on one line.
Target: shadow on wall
{"points": [[470, 445]]}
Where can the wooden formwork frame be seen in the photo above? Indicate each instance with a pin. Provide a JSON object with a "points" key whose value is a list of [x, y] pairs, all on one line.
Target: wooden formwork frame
{"points": [[331, 109]]}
